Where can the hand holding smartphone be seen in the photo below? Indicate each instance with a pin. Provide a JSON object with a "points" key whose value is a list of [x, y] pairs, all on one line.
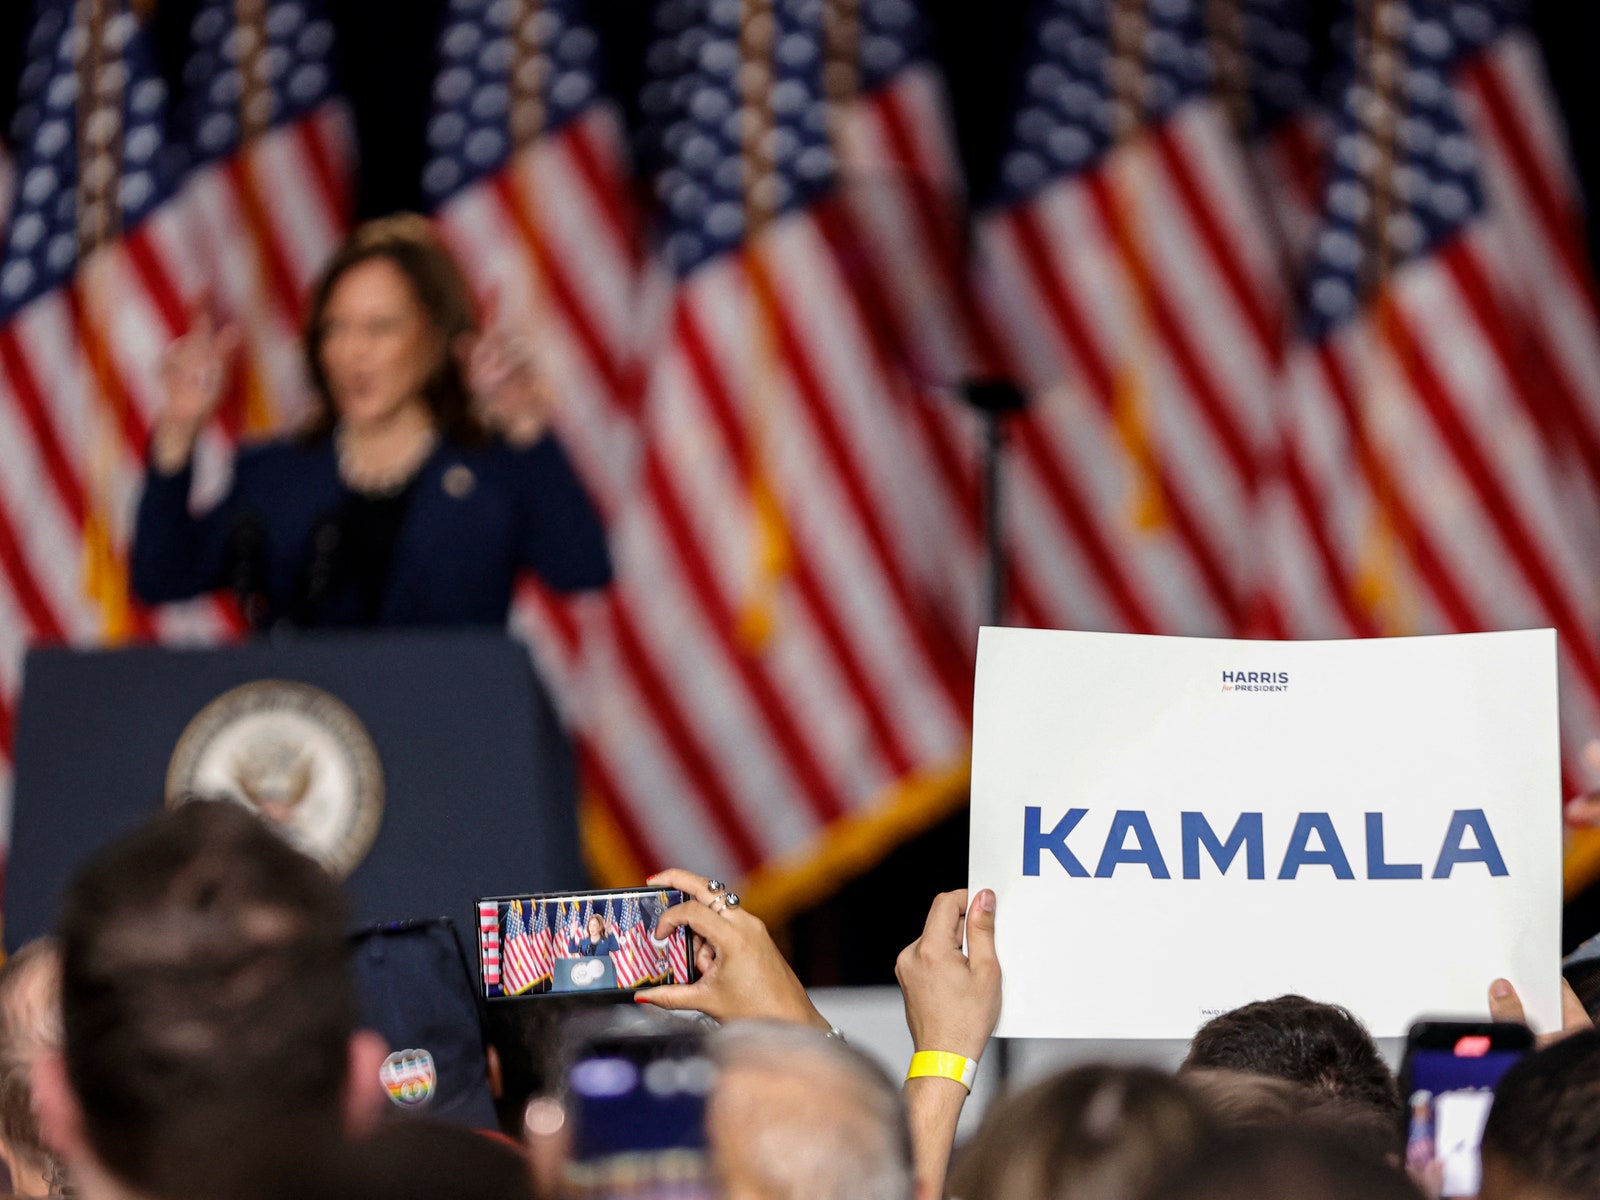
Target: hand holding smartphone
{"points": [[1447, 1079]]}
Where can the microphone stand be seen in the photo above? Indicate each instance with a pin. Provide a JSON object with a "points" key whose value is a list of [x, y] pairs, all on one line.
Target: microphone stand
{"points": [[995, 400]]}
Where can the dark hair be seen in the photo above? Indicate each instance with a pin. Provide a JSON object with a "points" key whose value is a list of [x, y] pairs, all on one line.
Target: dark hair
{"points": [[413, 1160], [409, 242], [206, 998], [527, 1039], [1320, 1045], [1544, 1126], [1284, 1164], [1238, 1102], [30, 1023], [1093, 1133]]}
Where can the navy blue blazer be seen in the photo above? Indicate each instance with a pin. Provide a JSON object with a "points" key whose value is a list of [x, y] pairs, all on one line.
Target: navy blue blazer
{"points": [[475, 517]]}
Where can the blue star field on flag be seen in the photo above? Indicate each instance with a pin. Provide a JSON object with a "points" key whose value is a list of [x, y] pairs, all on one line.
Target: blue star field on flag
{"points": [[1432, 179], [1068, 113], [1280, 60], [470, 131], [42, 243], [693, 108], [297, 60]]}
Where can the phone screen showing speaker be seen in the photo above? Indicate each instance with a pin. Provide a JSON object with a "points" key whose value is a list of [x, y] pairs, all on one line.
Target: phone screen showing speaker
{"points": [[540, 945]]}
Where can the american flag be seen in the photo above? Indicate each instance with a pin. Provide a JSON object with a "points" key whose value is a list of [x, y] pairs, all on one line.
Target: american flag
{"points": [[775, 614], [1266, 60], [637, 959], [110, 241], [489, 942], [543, 940], [1137, 293], [677, 948], [1439, 483], [269, 197], [520, 962], [8, 182], [766, 674], [93, 261]]}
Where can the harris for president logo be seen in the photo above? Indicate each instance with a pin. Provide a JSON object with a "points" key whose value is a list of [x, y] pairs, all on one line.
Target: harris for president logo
{"points": [[1255, 681]]}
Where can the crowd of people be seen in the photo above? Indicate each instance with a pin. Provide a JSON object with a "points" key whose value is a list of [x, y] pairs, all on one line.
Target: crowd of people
{"points": [[197, 1029], [193, 1032]]}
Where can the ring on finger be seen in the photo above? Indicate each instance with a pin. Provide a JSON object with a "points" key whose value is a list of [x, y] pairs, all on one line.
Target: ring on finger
{"points": [[716, 885], [717, 904], [731, 899]]}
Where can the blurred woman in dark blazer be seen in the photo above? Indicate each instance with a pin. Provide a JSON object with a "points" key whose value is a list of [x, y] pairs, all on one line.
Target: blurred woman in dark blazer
{"points": [[424, 482]]}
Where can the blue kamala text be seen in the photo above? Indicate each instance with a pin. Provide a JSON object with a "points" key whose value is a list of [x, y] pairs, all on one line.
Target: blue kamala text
{"points": [[1313, 842]]}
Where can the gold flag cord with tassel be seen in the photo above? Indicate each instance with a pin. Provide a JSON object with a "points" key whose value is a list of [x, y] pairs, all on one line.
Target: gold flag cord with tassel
{"points": [[255, 118], [529, 121], [1379, 584], [101, 83], [1130, 394], [758, 615]]}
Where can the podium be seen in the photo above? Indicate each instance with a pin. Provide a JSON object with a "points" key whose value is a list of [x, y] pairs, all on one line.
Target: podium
{"points": [[427, 767], [591, 973]]}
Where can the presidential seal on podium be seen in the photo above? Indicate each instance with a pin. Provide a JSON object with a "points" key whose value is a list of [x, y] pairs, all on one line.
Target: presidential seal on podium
{"points": [[295, 754]]}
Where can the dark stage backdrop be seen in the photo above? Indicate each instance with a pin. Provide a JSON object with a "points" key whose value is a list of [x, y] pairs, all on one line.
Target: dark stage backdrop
{"points": [[387, 65]]}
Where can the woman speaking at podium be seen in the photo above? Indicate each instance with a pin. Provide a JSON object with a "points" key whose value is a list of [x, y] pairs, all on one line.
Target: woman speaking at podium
{"points": [[423, 482]]}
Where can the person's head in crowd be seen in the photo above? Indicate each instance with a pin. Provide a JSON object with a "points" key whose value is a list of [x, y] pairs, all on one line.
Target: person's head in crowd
{"points": [[416, 1160], [1092, 1133], [30, 1027], [1237, 1102], [796, 1115], [1581, 970], [1285, 1164], [1542, 1138], [382, 329], [207, 1006], [1319, 1045], [524, 1052]]}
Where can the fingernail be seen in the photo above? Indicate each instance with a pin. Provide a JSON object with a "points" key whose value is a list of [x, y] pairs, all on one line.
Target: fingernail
{"points": [[652, 878], [1500, 989], [986, 900], [640, 998]]}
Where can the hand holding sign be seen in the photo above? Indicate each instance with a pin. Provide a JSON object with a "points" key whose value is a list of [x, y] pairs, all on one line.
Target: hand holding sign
{"points": [[952, 999], [1373, 822]]}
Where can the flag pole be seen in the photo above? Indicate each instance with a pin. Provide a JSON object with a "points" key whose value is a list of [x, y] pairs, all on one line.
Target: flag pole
{"points": [[1379, 583]]}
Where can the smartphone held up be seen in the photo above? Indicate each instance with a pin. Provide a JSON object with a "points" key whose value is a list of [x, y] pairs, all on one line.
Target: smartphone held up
{"points": [[1447, 1079], [580, 942]]}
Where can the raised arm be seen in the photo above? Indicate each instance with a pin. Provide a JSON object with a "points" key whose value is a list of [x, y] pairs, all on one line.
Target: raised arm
{"points": [[175, 554], [952, 1004]]}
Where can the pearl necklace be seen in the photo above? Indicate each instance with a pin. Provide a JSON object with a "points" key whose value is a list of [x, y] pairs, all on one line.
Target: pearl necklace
{"points": [[386, 482]]}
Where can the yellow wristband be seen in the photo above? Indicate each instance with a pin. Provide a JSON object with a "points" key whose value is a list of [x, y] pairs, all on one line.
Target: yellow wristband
{"points": [[943, 1065]]}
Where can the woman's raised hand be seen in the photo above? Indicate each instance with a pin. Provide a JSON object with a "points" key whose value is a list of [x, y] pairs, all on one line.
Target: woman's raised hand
{"points": [[193, 370], [742, 973], [503, 373]]}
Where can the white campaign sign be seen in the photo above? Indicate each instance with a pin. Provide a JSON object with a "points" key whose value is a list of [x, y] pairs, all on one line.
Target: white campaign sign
{"points": [[1177, 826]]}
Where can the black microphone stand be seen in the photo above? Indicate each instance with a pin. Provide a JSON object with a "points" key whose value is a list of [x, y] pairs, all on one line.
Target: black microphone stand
{"points": [[995, 400]]}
